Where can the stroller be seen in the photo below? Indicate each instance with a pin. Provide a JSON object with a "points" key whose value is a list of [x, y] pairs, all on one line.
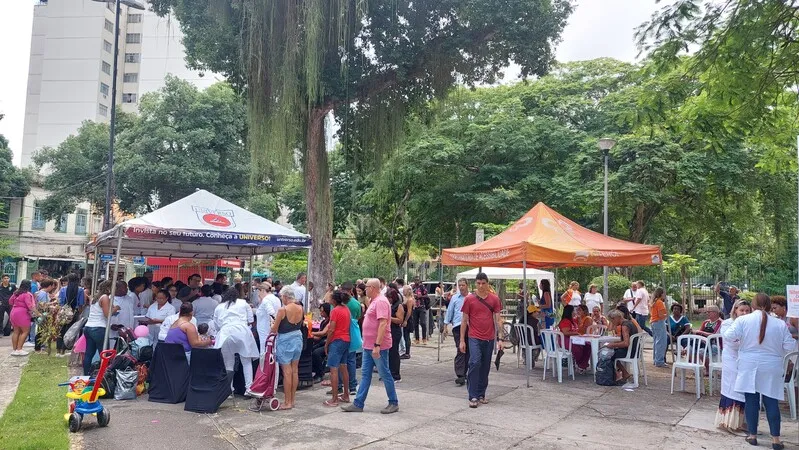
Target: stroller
{"points": [[264, 385]]}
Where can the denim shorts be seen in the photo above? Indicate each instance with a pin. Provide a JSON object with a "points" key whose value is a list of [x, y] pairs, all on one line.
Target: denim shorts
{"points": [[288, 347], [337, 353]]}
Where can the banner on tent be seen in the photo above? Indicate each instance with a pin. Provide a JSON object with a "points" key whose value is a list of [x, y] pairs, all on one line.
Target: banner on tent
{"points": [[223, 237]]}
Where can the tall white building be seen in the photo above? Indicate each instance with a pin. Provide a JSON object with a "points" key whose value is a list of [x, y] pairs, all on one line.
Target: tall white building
{"points": [[69, 81]]}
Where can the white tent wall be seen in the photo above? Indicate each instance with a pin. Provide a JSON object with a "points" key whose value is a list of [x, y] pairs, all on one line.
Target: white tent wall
{"points": [[506, 273]]}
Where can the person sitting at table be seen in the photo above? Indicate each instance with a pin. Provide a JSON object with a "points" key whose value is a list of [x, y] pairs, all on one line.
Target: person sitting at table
{"points": [[533, 320], [620, 348], [627, 316], [678, 324], [584, 320], [569, 327], [319, 339], [184, 332], [713, 323], [598, 318]]}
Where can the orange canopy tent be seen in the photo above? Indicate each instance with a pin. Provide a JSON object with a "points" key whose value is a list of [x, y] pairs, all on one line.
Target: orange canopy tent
{"points": [[542, 238]]}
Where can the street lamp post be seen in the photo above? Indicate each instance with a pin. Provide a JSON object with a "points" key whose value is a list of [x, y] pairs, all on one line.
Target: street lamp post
{"points": [[109, 172], [605, 144]]}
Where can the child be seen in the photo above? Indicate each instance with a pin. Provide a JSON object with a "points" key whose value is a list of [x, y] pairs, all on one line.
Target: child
{"points": [[202, 330]]}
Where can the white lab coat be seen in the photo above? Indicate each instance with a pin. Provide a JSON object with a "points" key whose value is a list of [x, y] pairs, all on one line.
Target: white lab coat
{"points": [[729, 364], [265, 313], [233, 328], [127, 309], [154, 312], [760, 365]]}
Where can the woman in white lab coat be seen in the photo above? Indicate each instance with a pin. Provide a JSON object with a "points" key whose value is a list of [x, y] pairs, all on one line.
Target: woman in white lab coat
{"points": [[266, 312], [233, 318], [730, 415], [764, 341]]}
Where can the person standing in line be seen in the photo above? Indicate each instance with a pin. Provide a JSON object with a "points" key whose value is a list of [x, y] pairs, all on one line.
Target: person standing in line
{"points": [[127, 310], [376, 344], [94, 330], [641, 306], [397, 317], [764, 341], [337, 347], [629, 296], [23, 306], [148, 294], [546, 304], [455, 319], [300, 292], [730, 415], [407, 296], [481, 317], [659, 331], [593, 298], [7, 289], [572, 296], [352, 355], [73, 297], [728, 298], [421, 303]]}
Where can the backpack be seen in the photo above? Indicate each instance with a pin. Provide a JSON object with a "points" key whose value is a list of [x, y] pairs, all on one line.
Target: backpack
{"points": [[605, 370]]}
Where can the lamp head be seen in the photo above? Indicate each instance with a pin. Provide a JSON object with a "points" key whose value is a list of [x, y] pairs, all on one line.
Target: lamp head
{"points": [[606, 143]]}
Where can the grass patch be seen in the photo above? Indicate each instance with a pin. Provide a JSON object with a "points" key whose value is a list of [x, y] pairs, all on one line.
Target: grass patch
{"points": [[35, 418]]}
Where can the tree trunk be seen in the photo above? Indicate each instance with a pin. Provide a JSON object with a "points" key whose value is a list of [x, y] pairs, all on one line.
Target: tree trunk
{"points": [[318, 205]]}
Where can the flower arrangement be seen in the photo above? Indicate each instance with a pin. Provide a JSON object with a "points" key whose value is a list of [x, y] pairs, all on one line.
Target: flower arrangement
{"points": [[47, 326]]}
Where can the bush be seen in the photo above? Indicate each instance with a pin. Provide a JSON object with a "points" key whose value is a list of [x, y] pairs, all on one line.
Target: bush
{"points": [[617, 284], [372, 261]]}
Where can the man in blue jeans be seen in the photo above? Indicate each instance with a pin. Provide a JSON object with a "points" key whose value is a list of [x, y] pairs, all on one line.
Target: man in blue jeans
{"points": [[376, 344], [481, 316]]}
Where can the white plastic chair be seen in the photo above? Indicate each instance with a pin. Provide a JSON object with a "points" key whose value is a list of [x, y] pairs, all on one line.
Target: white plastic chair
{"points": [[597, 330], [714, 361], [523, 332], [554, 347], [694, 359], [634, 358], [790, 385]]}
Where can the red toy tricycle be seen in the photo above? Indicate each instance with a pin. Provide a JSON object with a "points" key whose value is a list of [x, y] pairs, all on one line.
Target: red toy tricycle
{"points": [[84, 393]]}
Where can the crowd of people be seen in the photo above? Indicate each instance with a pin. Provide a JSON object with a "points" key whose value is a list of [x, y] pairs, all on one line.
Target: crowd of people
{"points": [[376, 319]]}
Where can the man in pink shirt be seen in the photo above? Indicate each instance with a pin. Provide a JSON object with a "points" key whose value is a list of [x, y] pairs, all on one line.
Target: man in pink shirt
{"points": [[376, 344]]}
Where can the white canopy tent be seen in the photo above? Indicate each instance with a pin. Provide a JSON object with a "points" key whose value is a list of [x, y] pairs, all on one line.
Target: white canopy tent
{"points": [[200, 226], [509, 273]]}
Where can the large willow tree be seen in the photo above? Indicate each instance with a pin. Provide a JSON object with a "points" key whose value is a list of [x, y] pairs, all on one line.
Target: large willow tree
{"points": [[369, 61]]}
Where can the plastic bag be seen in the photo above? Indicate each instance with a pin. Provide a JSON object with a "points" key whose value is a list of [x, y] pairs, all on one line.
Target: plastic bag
{"points": [[80, 345], [126, 384], [72, 334]]}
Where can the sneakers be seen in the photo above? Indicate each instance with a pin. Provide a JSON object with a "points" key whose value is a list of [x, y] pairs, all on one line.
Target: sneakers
{"points": [[19, 353], [460, 381], [398, 380], [351, 408], [390, 409], [29, 344], [405, 356], [630, 386]]}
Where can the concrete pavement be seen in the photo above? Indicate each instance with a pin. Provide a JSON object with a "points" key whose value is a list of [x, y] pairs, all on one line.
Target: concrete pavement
{"points": [[434, 414], [10, 372]]}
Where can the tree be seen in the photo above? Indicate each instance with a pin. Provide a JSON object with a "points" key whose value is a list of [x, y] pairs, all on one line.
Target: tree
{"points": [[14, 183], [743, 69], [183, 139], [368, 61]]}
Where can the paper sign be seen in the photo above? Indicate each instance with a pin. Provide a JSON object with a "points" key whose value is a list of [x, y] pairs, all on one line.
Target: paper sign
{"points": [[793, 300]]}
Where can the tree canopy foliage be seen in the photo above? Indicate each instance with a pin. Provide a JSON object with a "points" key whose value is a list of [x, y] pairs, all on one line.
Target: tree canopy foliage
{"points": [[183, 139], [14, 183]]}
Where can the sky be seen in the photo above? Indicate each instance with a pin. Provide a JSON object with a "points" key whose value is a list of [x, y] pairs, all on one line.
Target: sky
{"points": [[597, 28]]}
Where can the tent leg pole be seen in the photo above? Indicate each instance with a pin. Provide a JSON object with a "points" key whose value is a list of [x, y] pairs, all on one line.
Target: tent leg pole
{"points": [[554, 293], [662, 277], [308, 292], [95, 271], [113, 287], [525, 296], [438, 314], [252, 271]]}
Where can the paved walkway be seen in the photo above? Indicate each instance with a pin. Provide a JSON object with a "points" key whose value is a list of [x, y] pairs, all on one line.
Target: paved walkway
{"points": [[10, 373], [434, 414]]}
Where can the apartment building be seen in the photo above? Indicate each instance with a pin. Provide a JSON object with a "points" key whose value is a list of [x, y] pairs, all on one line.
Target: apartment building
{"points": [[70, 81]]}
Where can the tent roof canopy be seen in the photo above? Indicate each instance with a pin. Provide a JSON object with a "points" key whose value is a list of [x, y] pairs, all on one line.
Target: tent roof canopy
{"points": [[545, 239], [203, 226]]}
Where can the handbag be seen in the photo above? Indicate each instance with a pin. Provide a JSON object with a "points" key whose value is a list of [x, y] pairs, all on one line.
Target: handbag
{"points": [[71, 336]]}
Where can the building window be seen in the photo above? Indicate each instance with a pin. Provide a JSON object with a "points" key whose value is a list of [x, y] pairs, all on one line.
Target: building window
{"points": [[81, 220], [132, 57], [129, 98], [134, 18], [103, 88], [109, 26], [106, 68], [102, 110], [131, 77], [107, 46], [133, 38], [38, 221], [61, 223]]}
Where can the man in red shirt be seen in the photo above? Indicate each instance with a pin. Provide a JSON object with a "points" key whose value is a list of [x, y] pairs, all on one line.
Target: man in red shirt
{"points": [[481, 316]]}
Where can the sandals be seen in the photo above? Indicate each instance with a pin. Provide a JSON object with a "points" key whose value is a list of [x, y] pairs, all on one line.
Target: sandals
{"points": [[325, 382], [473, 403], [343, 399], [330, 403]]}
